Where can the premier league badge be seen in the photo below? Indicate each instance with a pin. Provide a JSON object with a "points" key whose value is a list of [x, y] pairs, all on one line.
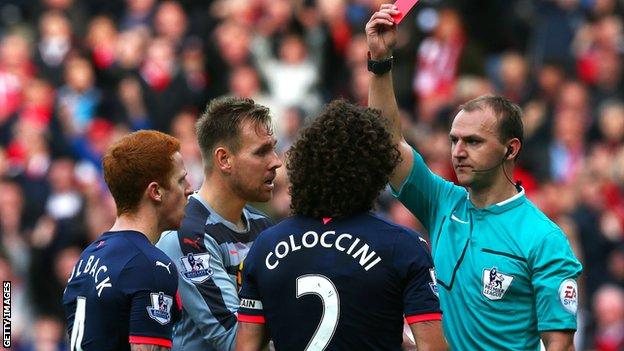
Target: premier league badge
{"points": [[495, 283], [434, 283], [197, 267], [160, 310]]}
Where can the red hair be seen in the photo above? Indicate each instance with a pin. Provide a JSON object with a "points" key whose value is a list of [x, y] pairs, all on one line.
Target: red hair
{"points": [[136, 160]]}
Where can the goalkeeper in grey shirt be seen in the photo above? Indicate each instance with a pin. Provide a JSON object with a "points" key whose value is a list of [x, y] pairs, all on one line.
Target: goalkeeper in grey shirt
{"points": [[238, 149]]}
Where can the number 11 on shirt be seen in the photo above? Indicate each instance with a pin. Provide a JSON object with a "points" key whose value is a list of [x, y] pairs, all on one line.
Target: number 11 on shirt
{"points": [[79, 324]]}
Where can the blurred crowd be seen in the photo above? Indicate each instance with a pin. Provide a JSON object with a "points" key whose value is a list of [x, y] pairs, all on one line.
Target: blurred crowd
{"points": [[76, 75]]}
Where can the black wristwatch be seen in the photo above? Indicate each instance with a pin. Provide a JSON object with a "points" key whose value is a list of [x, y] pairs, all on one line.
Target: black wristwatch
{"points": [[380, 67]]}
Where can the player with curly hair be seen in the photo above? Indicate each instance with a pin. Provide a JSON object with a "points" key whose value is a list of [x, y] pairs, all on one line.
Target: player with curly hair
{"points": [[335, 276]]}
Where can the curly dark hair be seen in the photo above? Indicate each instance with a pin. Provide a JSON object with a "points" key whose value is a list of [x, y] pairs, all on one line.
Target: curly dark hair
{"points": [[340, 162]]}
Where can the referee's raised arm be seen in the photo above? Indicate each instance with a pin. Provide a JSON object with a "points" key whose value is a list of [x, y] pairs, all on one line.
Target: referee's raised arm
{"points": [[381, 35]]}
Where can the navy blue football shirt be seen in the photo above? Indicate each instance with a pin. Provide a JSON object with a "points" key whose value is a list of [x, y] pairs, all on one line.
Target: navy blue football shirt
{"points": [[122, 290], [338, 284]]}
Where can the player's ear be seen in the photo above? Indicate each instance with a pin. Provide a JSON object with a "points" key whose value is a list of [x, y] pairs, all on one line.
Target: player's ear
{"points": [[222, 159], [509, 151], [154, 191], [513, 148]]}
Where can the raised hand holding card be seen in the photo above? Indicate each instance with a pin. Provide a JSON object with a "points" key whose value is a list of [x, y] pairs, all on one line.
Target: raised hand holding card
{"points": [[404, 6]]}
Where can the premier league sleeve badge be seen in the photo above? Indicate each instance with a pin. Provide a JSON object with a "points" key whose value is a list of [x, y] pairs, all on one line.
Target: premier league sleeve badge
{"points": [[196, 267], [160, 309]]}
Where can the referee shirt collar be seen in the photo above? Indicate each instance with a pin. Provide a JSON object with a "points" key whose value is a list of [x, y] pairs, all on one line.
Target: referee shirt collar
{"points": [[502, 206]]}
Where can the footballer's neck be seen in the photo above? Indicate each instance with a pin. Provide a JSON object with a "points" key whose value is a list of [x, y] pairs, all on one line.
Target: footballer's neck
{"points": [[142, 221], [223, 200]]}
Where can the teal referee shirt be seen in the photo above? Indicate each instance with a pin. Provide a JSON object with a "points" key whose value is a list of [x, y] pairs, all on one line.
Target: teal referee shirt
{"points": [[505, 272]]}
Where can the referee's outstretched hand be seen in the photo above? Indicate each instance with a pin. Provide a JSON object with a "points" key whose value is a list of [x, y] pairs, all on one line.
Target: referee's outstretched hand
{"points": [[381, 32]]}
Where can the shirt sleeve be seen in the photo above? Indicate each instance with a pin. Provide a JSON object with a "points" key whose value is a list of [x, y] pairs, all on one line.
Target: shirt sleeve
{"points": [[554, 273], [154, 307], [426, 194], [414, 263], [251, 309]]}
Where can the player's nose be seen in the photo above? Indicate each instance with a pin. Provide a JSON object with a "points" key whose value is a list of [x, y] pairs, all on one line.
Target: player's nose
{"points": [[276, 162], [187, 189], [459, 150]]}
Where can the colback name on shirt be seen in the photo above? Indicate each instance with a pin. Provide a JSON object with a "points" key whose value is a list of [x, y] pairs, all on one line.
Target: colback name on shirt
{"points": [[344, 242], [95, 270]]}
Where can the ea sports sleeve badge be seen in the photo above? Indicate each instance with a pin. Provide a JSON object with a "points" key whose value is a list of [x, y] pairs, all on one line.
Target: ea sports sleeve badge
{"points": [[568, 295]]}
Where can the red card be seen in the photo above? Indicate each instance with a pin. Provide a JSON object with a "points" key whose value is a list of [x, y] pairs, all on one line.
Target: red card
{"points": [[404, 6]]}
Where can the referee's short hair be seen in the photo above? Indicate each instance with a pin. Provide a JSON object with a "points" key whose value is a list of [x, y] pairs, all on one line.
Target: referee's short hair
{"points": [[508, 114]]}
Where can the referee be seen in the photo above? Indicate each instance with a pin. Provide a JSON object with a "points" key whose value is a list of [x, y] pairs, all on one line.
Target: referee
{"points": [[506, 273]]}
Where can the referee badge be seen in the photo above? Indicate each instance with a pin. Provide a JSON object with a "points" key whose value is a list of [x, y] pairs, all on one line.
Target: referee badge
{"points": [[568, 295], [495, 283]]}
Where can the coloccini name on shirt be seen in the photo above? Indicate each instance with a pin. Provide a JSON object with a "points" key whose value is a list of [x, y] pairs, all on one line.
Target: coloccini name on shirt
{"points": [[6, 313]]}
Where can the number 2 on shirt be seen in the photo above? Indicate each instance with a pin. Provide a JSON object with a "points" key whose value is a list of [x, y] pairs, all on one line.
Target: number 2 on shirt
{"points": [[324, 288]]}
